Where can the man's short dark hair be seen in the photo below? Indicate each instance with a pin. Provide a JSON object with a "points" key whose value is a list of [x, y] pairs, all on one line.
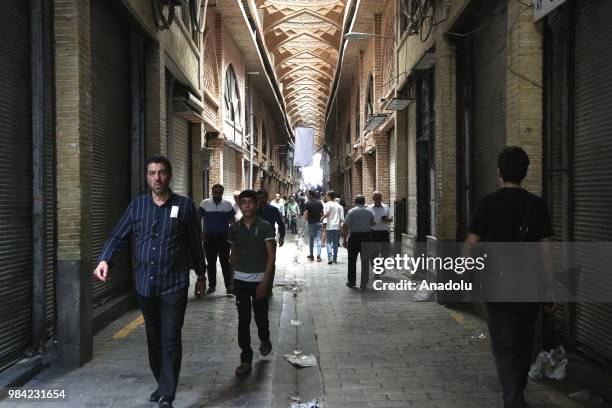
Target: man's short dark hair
{"points": [[512, 163], [248, 194], [312, 193], [158, 159], [262, 192], [359, 200], [217, 186], [332, 194]]}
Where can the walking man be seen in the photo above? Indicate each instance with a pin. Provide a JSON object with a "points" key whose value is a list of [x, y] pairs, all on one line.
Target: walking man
{"points": [[236, 205], [293, 212], [313, 211], [356, 229], [334, 214], [504, 216], [253, 252], [382, 220], [218, 214], [166, 232], [271, 214]]}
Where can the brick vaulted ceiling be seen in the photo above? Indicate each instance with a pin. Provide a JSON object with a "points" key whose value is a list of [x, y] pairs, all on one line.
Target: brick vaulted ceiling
{"points": [[303, 36]]}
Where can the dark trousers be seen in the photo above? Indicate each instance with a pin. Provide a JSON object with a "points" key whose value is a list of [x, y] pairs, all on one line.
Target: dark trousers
{"points": [[164, 316], [382, 238], [512, 327], [217, 245], [293, 225], [354, 249], [245, 298]]}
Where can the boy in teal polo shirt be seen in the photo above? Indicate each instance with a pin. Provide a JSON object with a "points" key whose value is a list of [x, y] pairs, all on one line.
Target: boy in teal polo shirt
{"points": [[252, 257]]}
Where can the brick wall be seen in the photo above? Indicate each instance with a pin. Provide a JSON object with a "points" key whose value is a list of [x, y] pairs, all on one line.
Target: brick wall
{"points": [[445, 140], [524, 90], [369, 176]]}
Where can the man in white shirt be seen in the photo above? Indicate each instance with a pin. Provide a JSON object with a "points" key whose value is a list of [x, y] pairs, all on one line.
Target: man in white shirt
{"points": [[334, 215], [324, 200], [238, 214], [382, 219], [279, 203]]}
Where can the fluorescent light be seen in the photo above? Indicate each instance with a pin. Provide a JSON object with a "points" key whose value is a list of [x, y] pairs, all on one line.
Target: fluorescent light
{"points": [[375, 121], [357, 36], [397, 104]]}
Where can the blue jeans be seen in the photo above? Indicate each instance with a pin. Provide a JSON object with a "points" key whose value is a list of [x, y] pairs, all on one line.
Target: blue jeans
{"points": [[314, 234], [332, 240]]}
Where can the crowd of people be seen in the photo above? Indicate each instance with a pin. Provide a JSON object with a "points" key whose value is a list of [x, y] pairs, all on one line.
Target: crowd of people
{"points": [[168, 230]]}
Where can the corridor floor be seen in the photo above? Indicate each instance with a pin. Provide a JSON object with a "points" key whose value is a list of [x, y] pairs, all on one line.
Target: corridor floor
{"points": [[373, 351]]}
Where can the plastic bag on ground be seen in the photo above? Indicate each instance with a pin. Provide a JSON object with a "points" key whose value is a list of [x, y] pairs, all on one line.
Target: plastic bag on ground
{"points": [[550, 364], [301, 360], [310, 404]]}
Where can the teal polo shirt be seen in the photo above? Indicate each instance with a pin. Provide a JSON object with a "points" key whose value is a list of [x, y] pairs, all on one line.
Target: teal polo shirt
{"points": [[250, 247]]}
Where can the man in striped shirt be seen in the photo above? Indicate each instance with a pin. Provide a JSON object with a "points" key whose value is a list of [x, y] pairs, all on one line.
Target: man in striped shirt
{"points": [[167, 245], [252, 257]]}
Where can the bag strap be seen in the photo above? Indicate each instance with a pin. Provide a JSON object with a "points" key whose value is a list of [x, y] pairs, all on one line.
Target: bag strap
{"points": [[524, 228]]}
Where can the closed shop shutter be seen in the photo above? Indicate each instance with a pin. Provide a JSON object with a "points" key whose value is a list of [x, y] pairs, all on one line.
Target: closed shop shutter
{"points": [[592, 170], [229, 170], [557, 156], [488, 97], [392, 177], [180, 157], [110, 168], [16, 192], [49, 175]]}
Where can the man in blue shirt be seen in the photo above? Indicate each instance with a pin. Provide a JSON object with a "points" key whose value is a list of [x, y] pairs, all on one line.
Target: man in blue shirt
{"points": [[269, 213], [166, 232], [218, 214]]}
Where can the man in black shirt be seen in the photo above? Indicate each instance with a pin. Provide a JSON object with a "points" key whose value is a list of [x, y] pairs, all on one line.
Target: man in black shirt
{"points": [[313, 211], [511, 214]]}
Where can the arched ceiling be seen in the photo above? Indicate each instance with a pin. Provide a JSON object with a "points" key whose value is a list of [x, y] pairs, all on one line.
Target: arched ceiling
{"points": [[303, 36]]}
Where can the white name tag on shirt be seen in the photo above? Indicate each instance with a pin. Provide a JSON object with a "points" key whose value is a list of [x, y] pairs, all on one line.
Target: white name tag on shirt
{"points": [[174, 211]]}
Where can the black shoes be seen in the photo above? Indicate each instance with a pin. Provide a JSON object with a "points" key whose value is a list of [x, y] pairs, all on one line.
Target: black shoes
{"points": [[363, 287], [211, 289], [243, 369], [265, 348], [155, 396], [350, 284], [329, 262], [164, 402]]}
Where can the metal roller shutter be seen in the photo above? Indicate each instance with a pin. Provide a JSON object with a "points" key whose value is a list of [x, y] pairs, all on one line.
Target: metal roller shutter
{"points": [[488, 97], [592, 170], [16, 194], [557, 159], [110, 169], [179, 157], [229, 170], [49, 175]]}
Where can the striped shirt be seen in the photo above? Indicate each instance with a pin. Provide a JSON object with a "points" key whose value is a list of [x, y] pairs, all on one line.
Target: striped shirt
{"points": [[167, 243], [217, 216]]}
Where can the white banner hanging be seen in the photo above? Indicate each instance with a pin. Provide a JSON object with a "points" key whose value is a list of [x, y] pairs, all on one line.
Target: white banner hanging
{"points": [[304, 146]]}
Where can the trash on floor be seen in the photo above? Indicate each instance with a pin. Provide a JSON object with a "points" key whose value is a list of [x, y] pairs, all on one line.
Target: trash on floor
{"points": [[550, 364], [478, 335], [310, 404], [423, 295], [586, 397], [301, 360]]}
